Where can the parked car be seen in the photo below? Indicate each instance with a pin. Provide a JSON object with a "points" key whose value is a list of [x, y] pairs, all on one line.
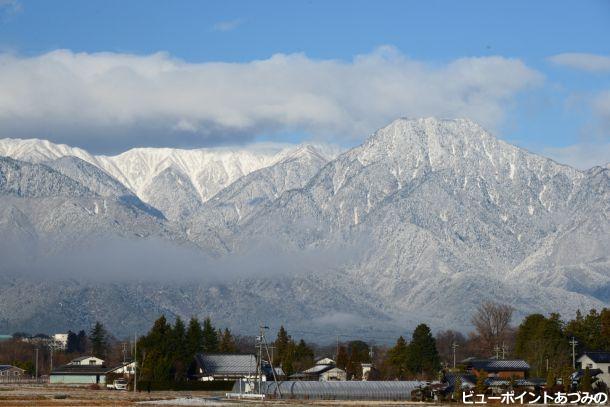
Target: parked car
{"points": [[118, 384]]}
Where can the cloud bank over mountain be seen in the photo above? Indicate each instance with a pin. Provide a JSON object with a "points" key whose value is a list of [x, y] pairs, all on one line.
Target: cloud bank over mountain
{"points": [[107, 102]]}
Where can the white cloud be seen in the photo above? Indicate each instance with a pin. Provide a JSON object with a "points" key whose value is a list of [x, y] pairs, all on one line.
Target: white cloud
{"points": [[109, 100], [582, 156], [582, 61], [9, 7], [227, 25]]}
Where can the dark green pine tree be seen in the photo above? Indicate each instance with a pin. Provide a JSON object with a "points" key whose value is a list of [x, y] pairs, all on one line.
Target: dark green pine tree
{"points": [[210, 337], [585, 382], [423, 356], [284, 346], [227, 342], [157, 364], [398, 357], [181, 359], [99, 340], [194, 338], [72, 344]]}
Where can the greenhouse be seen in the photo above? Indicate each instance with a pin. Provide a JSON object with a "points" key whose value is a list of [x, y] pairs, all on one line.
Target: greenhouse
{"points": [[338, 390]]}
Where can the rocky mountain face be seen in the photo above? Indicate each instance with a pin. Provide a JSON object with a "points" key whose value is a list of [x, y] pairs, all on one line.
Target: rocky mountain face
{"points": [[421, 222]]}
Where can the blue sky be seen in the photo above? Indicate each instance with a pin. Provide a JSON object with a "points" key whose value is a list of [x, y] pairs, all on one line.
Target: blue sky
{"points": [[557, 105]]}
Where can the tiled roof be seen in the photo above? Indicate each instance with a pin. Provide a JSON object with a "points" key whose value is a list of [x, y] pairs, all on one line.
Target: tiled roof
{"points": [[498, 365], [80, 369], [599, 357], [226, 364]]}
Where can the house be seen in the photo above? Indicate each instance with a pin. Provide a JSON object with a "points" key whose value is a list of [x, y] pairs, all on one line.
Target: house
{"points": [[76, 372], [87, 370], [10, 372], [125, 369], [324, 370], [596, 360], [87, 360], [497, 368], [224, 366]]}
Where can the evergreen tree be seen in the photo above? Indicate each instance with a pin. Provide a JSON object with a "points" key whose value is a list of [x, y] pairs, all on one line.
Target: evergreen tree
{"points": [[99, 340], [480, 384], [565, 378], [155, 352], [422, 355], [303, 356], [585, 382], [181, 359], [550, 379], [397, 358], [82, 342], [604, 317], [194, 338], [227, 342], [457, 389], [342, 358], [72, 343], [210, 337], [282, 343]]}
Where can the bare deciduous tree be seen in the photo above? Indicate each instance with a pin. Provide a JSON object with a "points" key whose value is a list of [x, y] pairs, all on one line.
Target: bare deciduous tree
{"points": [[492, 323]]}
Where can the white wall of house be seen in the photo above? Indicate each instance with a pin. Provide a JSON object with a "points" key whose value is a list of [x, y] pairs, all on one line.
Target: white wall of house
{"points": [[127, 369], [77, 379], [585, 361], [334, 374], [88, 361]]}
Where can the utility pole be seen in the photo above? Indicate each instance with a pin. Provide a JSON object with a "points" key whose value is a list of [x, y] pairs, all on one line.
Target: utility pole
{"points": [[497, 350], [51, 355], [264, 342], [124, 352], [454, 346], [135, 362], [573, 342], [36, 364], [503, 351], [337, 353]]}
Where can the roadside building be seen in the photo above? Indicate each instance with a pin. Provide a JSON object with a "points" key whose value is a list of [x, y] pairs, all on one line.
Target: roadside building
{"points": [[223, 366], [86, 370], [497, 368], [594, 361], [10, 372], [324, 370]]}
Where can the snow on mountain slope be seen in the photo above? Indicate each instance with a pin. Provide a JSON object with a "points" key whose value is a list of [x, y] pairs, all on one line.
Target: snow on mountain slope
{"points": [[207, 169], [237, 201], [425, 219]]}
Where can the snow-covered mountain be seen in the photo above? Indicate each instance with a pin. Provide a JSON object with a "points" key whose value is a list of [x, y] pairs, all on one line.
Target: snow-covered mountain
{"points": [[421, 222]]}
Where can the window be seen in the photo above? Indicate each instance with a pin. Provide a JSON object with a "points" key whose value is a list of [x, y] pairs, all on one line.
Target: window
{"points": [[590, 365], [92, 361]]}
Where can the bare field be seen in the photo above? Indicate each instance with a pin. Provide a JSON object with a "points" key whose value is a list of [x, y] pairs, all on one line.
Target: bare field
{"points": [[45, 395]]}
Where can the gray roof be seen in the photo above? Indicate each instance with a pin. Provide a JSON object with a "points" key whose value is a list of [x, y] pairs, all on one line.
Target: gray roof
{"points": [[497, 365], [219, 364], [6, 367], [354, 390], [80, 370]]}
